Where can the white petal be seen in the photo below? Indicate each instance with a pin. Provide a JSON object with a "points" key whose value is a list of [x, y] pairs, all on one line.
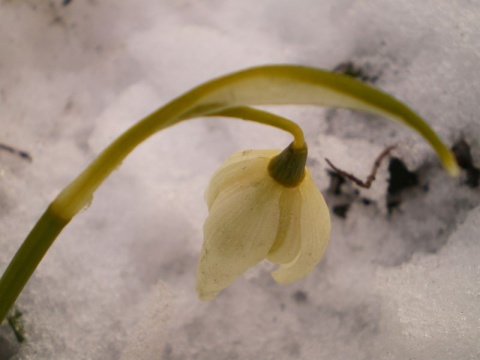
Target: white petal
{"points": [[239, 232], [314, 234], [241, 165], [287, 242]]}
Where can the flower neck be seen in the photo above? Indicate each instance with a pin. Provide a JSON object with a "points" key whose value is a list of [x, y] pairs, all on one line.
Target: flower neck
{"points": [[288, 167]]}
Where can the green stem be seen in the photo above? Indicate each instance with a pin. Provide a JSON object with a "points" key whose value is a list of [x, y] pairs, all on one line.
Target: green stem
{"points": [[27, 258], [266, 118], [227, 95]]}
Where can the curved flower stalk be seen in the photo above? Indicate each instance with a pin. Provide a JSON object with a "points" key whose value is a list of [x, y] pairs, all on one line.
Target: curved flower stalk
{"points": [[253, 216], [228, 95]]}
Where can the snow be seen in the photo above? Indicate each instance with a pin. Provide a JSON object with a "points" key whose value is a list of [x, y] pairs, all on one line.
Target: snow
{"points": [[434, 300], [119, 281]]}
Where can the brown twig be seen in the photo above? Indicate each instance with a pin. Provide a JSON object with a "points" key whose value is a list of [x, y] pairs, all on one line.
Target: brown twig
{"points": [[12, 150], [371, 178]]}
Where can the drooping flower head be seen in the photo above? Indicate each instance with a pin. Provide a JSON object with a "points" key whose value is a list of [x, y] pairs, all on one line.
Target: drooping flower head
{"points": [[263, 204]]}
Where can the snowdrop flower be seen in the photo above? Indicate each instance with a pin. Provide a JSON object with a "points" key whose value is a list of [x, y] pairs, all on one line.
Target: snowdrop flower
{"points": [[262, 205]]}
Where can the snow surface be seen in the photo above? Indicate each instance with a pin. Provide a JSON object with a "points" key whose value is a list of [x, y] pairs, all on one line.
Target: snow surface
{"points": [[119, 281]]}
